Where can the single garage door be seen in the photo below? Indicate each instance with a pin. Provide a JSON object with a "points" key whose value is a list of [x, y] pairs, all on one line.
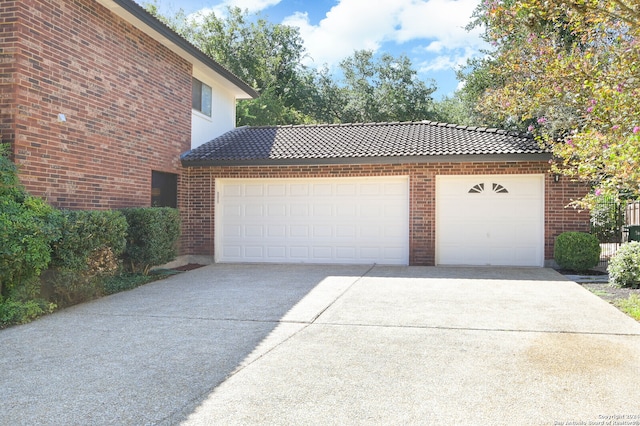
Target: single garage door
{"points": [[332, 220], [490, 220]]}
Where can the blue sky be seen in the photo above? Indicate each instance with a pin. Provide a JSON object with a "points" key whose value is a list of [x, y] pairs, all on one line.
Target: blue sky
{"points": [[430, 32]]}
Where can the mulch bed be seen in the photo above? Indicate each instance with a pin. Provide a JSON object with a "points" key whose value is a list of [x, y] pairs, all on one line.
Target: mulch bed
{"points": [[605, 291], [610, 293], [188, 267]]}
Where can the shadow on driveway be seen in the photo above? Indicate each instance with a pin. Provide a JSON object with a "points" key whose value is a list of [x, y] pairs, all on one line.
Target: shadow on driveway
{"points": [[149, 355]]}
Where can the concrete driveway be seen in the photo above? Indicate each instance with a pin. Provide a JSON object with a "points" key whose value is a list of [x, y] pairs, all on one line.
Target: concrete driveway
{"points": [[275, 344]]}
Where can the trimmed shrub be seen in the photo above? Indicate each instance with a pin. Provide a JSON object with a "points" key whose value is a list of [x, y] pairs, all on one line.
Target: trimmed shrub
{"points": [[87, 250], [577, 251], [152, 238], [624, 266], [83, 233], [27, 226], [17, 312]]}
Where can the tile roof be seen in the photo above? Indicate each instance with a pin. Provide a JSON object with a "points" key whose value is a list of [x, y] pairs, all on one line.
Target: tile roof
{"points": [[360, 143]]}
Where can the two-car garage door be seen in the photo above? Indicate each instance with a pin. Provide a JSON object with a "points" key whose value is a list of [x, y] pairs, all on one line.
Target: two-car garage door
{"points": [[320, 220], [479, 220]]}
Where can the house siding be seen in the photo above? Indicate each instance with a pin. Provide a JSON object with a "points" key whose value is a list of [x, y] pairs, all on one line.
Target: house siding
{"points": [[198, 238], [126, 98]]}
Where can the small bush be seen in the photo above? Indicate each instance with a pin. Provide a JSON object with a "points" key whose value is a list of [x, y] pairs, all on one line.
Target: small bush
{"points": [[152, 238], [85, 232], [577, 251], [86, 251], [624, 266]]}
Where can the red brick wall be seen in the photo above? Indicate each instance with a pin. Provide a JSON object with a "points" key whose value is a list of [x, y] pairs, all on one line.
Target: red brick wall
{"points": [[199, 223], [126, 99]]}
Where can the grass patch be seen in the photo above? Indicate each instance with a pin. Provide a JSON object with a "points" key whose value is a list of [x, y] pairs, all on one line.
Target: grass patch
{"points": [[601, 293], [630, 306]]}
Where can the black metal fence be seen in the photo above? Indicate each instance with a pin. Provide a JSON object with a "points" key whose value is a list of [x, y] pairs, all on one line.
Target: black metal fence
{"points": [[609, 222]]}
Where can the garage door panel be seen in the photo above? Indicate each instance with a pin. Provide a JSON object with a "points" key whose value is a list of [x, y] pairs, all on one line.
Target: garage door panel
{"points": [[347, 210], [299, 190], [233, 210], [490, 220], [299, 210], [277, 210], [346, 189], [320, 190], [253, 190], [253, 252], [254, 210], [328, 220], [299, 231], [346, 231], [325, 210], [232, 230], [395, 189]]}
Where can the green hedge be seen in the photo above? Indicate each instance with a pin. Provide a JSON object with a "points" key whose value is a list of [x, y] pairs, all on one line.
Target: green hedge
{"points": [[87, 250], [152, 238], [27, 227], [577, 251], [83, 233]]}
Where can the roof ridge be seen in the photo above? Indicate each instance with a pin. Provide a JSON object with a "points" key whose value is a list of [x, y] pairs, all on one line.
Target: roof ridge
{"points": [[483, 129]]}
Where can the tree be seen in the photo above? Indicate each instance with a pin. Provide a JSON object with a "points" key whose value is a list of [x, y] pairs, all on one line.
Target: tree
{"points": [[377, 89], [269, 57], [265, 55], [569, 71]]}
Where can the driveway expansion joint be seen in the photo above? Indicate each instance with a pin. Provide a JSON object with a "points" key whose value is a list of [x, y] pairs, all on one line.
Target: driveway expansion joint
{"points": [[498, 330]]}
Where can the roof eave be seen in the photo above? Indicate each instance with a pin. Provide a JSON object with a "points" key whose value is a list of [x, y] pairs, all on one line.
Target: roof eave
{"points": [[136, 15], [465, 158]]}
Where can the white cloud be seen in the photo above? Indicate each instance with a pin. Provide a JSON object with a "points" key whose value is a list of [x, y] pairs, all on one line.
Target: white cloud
{"points": [[441, 20], [348, 26], [454, 59], [252, 6], [359, 24]]}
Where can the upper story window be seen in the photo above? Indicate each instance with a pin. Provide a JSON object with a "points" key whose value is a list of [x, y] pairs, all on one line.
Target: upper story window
{"points": [[201, 97]]}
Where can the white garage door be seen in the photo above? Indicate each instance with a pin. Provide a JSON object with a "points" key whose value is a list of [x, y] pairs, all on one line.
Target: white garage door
{"points": [[490, 220], [333, 220]]}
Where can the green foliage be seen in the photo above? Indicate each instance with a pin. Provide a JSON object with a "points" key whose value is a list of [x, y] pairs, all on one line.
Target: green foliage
{"points": [[269, 57], [379, 89], [8, 173], [27, 227], [152, 237], [20, 312], [569, 72], [577, 251], [125, 281], [624, 266], [87, 250], [83, 233]]}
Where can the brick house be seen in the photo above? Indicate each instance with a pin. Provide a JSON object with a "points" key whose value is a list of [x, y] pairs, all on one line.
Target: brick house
{"points": [[99, 99], [95, 106]]}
